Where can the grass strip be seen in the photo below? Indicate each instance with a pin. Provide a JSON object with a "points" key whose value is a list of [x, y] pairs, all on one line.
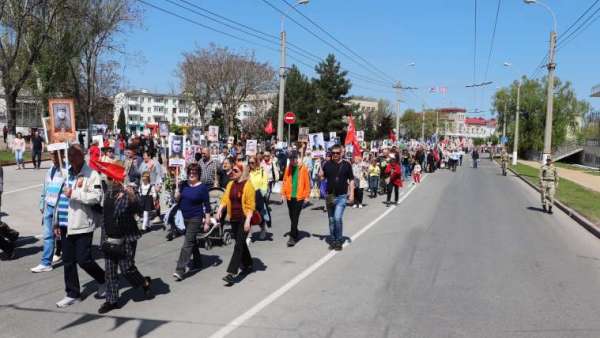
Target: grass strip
{"points": [[575, 196]]}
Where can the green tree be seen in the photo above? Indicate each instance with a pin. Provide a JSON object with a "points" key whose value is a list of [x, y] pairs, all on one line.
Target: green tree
{"points": [[332, 88], [413, 121], [300, 97], [567, 113], [121, 125]]}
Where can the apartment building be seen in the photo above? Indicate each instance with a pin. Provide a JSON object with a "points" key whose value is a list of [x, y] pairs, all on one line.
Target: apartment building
{"points": [[144, 109]]}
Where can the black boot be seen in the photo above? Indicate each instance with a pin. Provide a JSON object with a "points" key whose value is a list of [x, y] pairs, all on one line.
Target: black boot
{"points": [[550, 210]]}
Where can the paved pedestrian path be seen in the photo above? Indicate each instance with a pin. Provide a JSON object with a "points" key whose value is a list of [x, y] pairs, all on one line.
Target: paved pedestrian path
{"points": [[584, 179]]}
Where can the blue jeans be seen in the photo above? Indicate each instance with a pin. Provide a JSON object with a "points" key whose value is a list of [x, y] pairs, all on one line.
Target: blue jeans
{"points": [[373, 184], [19, 156], [48, 236], [335, 218]]}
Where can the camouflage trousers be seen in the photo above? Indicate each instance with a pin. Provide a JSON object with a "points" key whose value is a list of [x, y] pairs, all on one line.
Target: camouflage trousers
{"points": [[548, 191]]}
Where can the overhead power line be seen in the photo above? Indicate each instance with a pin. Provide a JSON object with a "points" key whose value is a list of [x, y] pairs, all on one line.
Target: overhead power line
{"points": [[566, 37], [308, 30], [336, 40], [487, 67], [356, 76]]}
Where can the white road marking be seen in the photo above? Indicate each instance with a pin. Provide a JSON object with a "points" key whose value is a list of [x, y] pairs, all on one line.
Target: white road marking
{"points": [[22, 189], [240, 320]]}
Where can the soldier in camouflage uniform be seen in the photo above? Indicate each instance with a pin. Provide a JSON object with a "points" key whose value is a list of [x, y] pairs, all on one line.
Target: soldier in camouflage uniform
{"points": [[548, 184], [504, 161]]}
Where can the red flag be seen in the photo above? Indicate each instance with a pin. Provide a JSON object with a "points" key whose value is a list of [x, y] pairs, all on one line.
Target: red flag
{"points": [[269, 127], [351, 136], [392, 136]]}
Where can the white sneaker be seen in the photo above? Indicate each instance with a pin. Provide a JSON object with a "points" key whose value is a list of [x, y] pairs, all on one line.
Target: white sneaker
{"points": [[360, 206], [355, 206], [101, 293], [41, 268], [67, 301], [56, 259], [248, 241]]}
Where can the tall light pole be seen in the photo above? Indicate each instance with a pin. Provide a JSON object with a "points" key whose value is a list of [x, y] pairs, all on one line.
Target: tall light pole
{"points": [[398, 87], [282, 74], [550, 93], [517, 117]]}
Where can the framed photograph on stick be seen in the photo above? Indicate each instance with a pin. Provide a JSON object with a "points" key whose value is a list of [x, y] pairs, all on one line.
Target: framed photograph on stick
{"points": [[62, 120]]}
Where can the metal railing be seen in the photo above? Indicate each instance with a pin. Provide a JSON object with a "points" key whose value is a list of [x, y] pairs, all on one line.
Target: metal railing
{"points": [[567, 148]]}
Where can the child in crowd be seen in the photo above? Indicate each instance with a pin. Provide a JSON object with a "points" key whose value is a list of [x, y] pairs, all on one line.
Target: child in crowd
{"points": [[417, 173], [148, 197]]}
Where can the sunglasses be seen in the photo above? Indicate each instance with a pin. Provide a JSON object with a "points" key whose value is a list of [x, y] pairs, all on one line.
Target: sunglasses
{"points": [[336, 152], [252, 162], [236, 171]]}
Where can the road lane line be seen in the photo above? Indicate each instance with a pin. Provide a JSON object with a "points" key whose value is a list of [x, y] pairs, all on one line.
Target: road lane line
{"points": [[22, 189], [244, 317]]}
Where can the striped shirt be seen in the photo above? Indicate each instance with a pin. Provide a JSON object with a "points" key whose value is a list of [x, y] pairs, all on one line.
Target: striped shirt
{"points": [[63, 203]]}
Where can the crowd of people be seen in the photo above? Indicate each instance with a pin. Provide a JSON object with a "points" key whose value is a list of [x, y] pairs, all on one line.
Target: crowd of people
{"points": [[120, 186]]}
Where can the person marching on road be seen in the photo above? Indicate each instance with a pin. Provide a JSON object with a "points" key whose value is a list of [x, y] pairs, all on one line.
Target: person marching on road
{"points": [[53, 185], [504, 161], [340, 191], [120, 236], [548, 184], [83, 188], [295, 190], [239, 201]]}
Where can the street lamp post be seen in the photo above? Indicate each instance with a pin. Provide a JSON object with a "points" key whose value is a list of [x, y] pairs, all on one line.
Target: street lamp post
{"points": [[517, 117], [282, 74], [550, 93]]}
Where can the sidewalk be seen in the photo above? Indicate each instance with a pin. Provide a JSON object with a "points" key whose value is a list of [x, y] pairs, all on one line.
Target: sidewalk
{"points": [[586, 180]]}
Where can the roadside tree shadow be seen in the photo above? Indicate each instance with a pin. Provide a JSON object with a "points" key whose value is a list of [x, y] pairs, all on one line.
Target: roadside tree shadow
{"points": [[145, 325]]}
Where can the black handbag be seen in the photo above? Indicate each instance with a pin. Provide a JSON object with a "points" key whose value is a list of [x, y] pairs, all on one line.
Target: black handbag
{"points": [[114, 248]]}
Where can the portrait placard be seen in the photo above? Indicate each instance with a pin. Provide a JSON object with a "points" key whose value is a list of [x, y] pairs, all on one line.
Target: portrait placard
{"points": [[62, 120], [213, 133]]}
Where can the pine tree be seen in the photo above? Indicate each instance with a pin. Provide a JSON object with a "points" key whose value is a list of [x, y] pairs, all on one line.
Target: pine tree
{"points": [[332, 88], [121, 124]]}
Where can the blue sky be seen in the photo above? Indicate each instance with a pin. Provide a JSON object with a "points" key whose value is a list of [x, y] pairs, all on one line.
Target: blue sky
{"points": [[436, 35]]}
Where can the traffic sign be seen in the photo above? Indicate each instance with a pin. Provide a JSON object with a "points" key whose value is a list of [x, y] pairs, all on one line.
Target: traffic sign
{"points": [[289, 118]]}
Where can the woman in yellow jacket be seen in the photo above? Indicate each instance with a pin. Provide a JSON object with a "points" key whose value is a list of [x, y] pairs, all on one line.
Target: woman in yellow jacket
{"points": [[239, 201], [260, 181], [295, 190]]}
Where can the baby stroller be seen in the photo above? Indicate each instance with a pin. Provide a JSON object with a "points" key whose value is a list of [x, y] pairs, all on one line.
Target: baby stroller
{"points": [[219, 230], [173, 220]]}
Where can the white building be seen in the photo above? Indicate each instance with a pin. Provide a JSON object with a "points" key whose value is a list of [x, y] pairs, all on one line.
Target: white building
{"points": [[143, 109], [256, 104]]}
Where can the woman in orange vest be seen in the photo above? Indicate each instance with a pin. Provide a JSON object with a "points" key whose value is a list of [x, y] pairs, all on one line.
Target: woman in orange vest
{"points": [[295, 190]]}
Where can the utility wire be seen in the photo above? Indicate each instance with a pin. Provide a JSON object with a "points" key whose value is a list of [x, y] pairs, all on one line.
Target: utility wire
{"points": [[315, 58], [321, 39], [253, 32], [564, 37], [487, 67], [336, 40], [576, 35]]}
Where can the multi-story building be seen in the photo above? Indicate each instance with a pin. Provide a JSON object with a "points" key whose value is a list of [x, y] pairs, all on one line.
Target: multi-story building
{"points": [[453, 122], [365, 105], [596, 91], [143, 109], [256, 104]]}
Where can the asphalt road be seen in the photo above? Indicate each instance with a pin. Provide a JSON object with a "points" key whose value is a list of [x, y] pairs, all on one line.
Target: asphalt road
{"points": [[465, 254]]}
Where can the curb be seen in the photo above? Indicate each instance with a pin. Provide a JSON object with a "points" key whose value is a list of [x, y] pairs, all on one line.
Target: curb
{"points": [[577, 217]]}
